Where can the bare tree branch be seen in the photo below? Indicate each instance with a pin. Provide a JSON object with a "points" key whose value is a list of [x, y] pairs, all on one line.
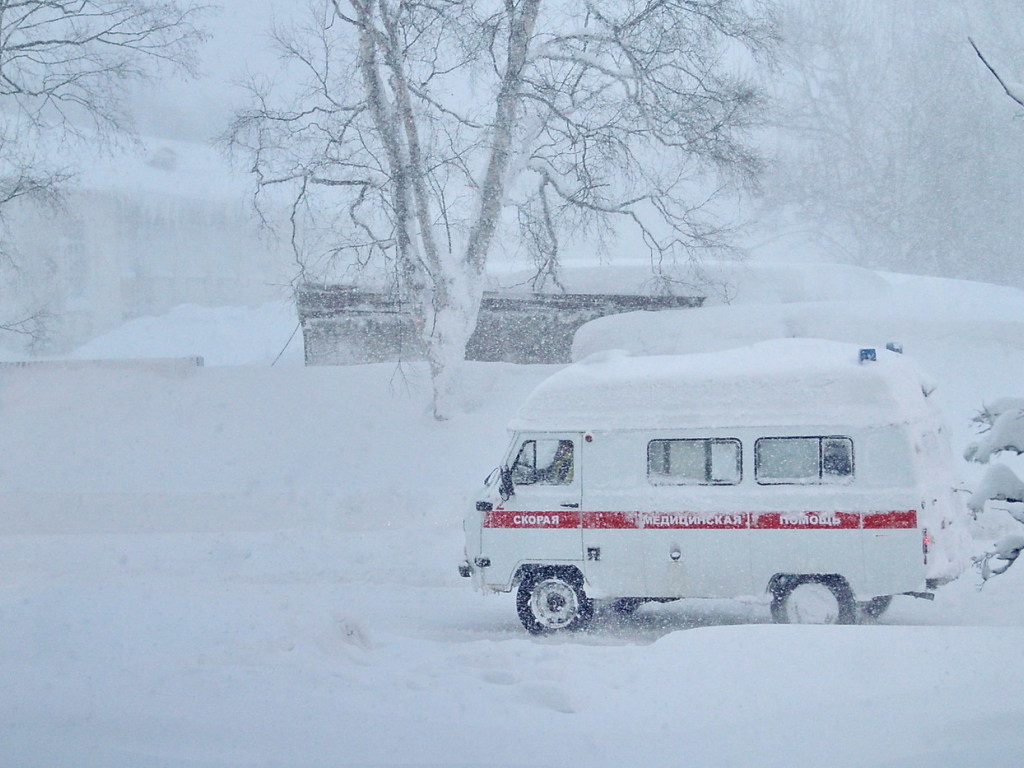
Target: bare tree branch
{"points": [[427, 128], [1016, 97]]}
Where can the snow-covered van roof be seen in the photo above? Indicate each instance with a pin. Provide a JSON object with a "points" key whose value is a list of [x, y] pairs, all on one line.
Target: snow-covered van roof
{"points": [[784, 382]]}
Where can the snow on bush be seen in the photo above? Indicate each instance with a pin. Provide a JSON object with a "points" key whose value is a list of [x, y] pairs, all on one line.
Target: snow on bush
{"points": [[999, 483], [1002, 430]]}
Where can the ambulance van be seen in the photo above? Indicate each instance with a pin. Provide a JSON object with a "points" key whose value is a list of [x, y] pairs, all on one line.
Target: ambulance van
{"points": [[816, 472]]}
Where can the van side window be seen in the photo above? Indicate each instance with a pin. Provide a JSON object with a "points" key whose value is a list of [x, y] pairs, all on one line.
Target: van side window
{"points": [[808, 460], [544, 462], [694, 462], [836, 457]]}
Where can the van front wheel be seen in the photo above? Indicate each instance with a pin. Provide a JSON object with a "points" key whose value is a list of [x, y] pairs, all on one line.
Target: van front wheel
{"points": [[812, 600], [552, 599]]}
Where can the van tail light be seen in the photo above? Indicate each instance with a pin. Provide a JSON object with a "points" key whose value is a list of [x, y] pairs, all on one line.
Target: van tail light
{"points": [[926, 542]]}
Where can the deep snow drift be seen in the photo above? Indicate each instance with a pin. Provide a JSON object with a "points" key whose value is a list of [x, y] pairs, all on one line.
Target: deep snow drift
{"points": [[244, 565]]}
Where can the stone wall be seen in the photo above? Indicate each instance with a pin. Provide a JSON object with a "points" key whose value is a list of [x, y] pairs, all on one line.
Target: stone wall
{"points": [[344, 326]]}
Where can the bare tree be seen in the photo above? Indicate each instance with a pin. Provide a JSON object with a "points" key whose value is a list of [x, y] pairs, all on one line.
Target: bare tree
{"points": [[421, 122], [1014, 91], [64, 69]]}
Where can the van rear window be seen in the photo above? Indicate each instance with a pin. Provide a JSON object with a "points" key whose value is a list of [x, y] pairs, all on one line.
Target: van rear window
{"points": [[713, 461], [809, 460]]}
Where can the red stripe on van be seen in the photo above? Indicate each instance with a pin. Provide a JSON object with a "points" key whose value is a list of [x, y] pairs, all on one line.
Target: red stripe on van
{"points": [[503, 518], [759, 521], [717, 521], [891, 519], [787, 521], [665, 520], [610, 520]]}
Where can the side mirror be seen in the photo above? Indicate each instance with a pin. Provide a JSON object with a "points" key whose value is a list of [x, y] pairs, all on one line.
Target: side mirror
{"points": [[505, 485]]}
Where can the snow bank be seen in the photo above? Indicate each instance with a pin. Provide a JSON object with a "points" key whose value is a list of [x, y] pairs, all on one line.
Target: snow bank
{"points": [[220, 335], [148, 446], [954, 322], [245, 565]]}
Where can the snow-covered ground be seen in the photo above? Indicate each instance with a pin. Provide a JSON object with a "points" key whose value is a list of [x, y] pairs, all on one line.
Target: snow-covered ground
{"points": [[245, 565]]}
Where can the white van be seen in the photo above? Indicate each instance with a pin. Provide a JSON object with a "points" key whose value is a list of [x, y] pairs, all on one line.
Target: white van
{"points": [[817, 471]]}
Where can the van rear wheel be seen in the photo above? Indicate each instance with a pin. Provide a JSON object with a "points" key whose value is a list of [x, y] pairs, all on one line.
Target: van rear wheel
{"points": [[812, 600], [552, 600]]}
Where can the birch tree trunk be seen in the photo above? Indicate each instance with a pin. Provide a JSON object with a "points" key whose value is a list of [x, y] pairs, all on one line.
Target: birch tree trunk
{"points": [[447, 286], [455, 317]]}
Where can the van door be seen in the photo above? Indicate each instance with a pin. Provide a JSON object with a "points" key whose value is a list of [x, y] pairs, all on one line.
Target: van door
{"points": [[540, 521], [696, 541], [612, 525]]}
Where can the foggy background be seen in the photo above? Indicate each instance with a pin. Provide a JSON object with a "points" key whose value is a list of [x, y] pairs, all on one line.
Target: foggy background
{"points": [[889, 146]]}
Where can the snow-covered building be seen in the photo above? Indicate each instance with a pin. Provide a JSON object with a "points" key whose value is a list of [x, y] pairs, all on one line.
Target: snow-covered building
{"points": [[139, 234]]}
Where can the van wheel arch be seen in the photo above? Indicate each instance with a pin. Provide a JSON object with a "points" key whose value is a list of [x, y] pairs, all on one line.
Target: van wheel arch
{"points": [[783, 586], [626, 606], [875, 607], [528, 570]]}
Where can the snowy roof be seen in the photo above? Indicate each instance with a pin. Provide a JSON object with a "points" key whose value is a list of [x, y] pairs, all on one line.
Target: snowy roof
{"points": [[784, 382], [166, 167], [737, 282]]}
